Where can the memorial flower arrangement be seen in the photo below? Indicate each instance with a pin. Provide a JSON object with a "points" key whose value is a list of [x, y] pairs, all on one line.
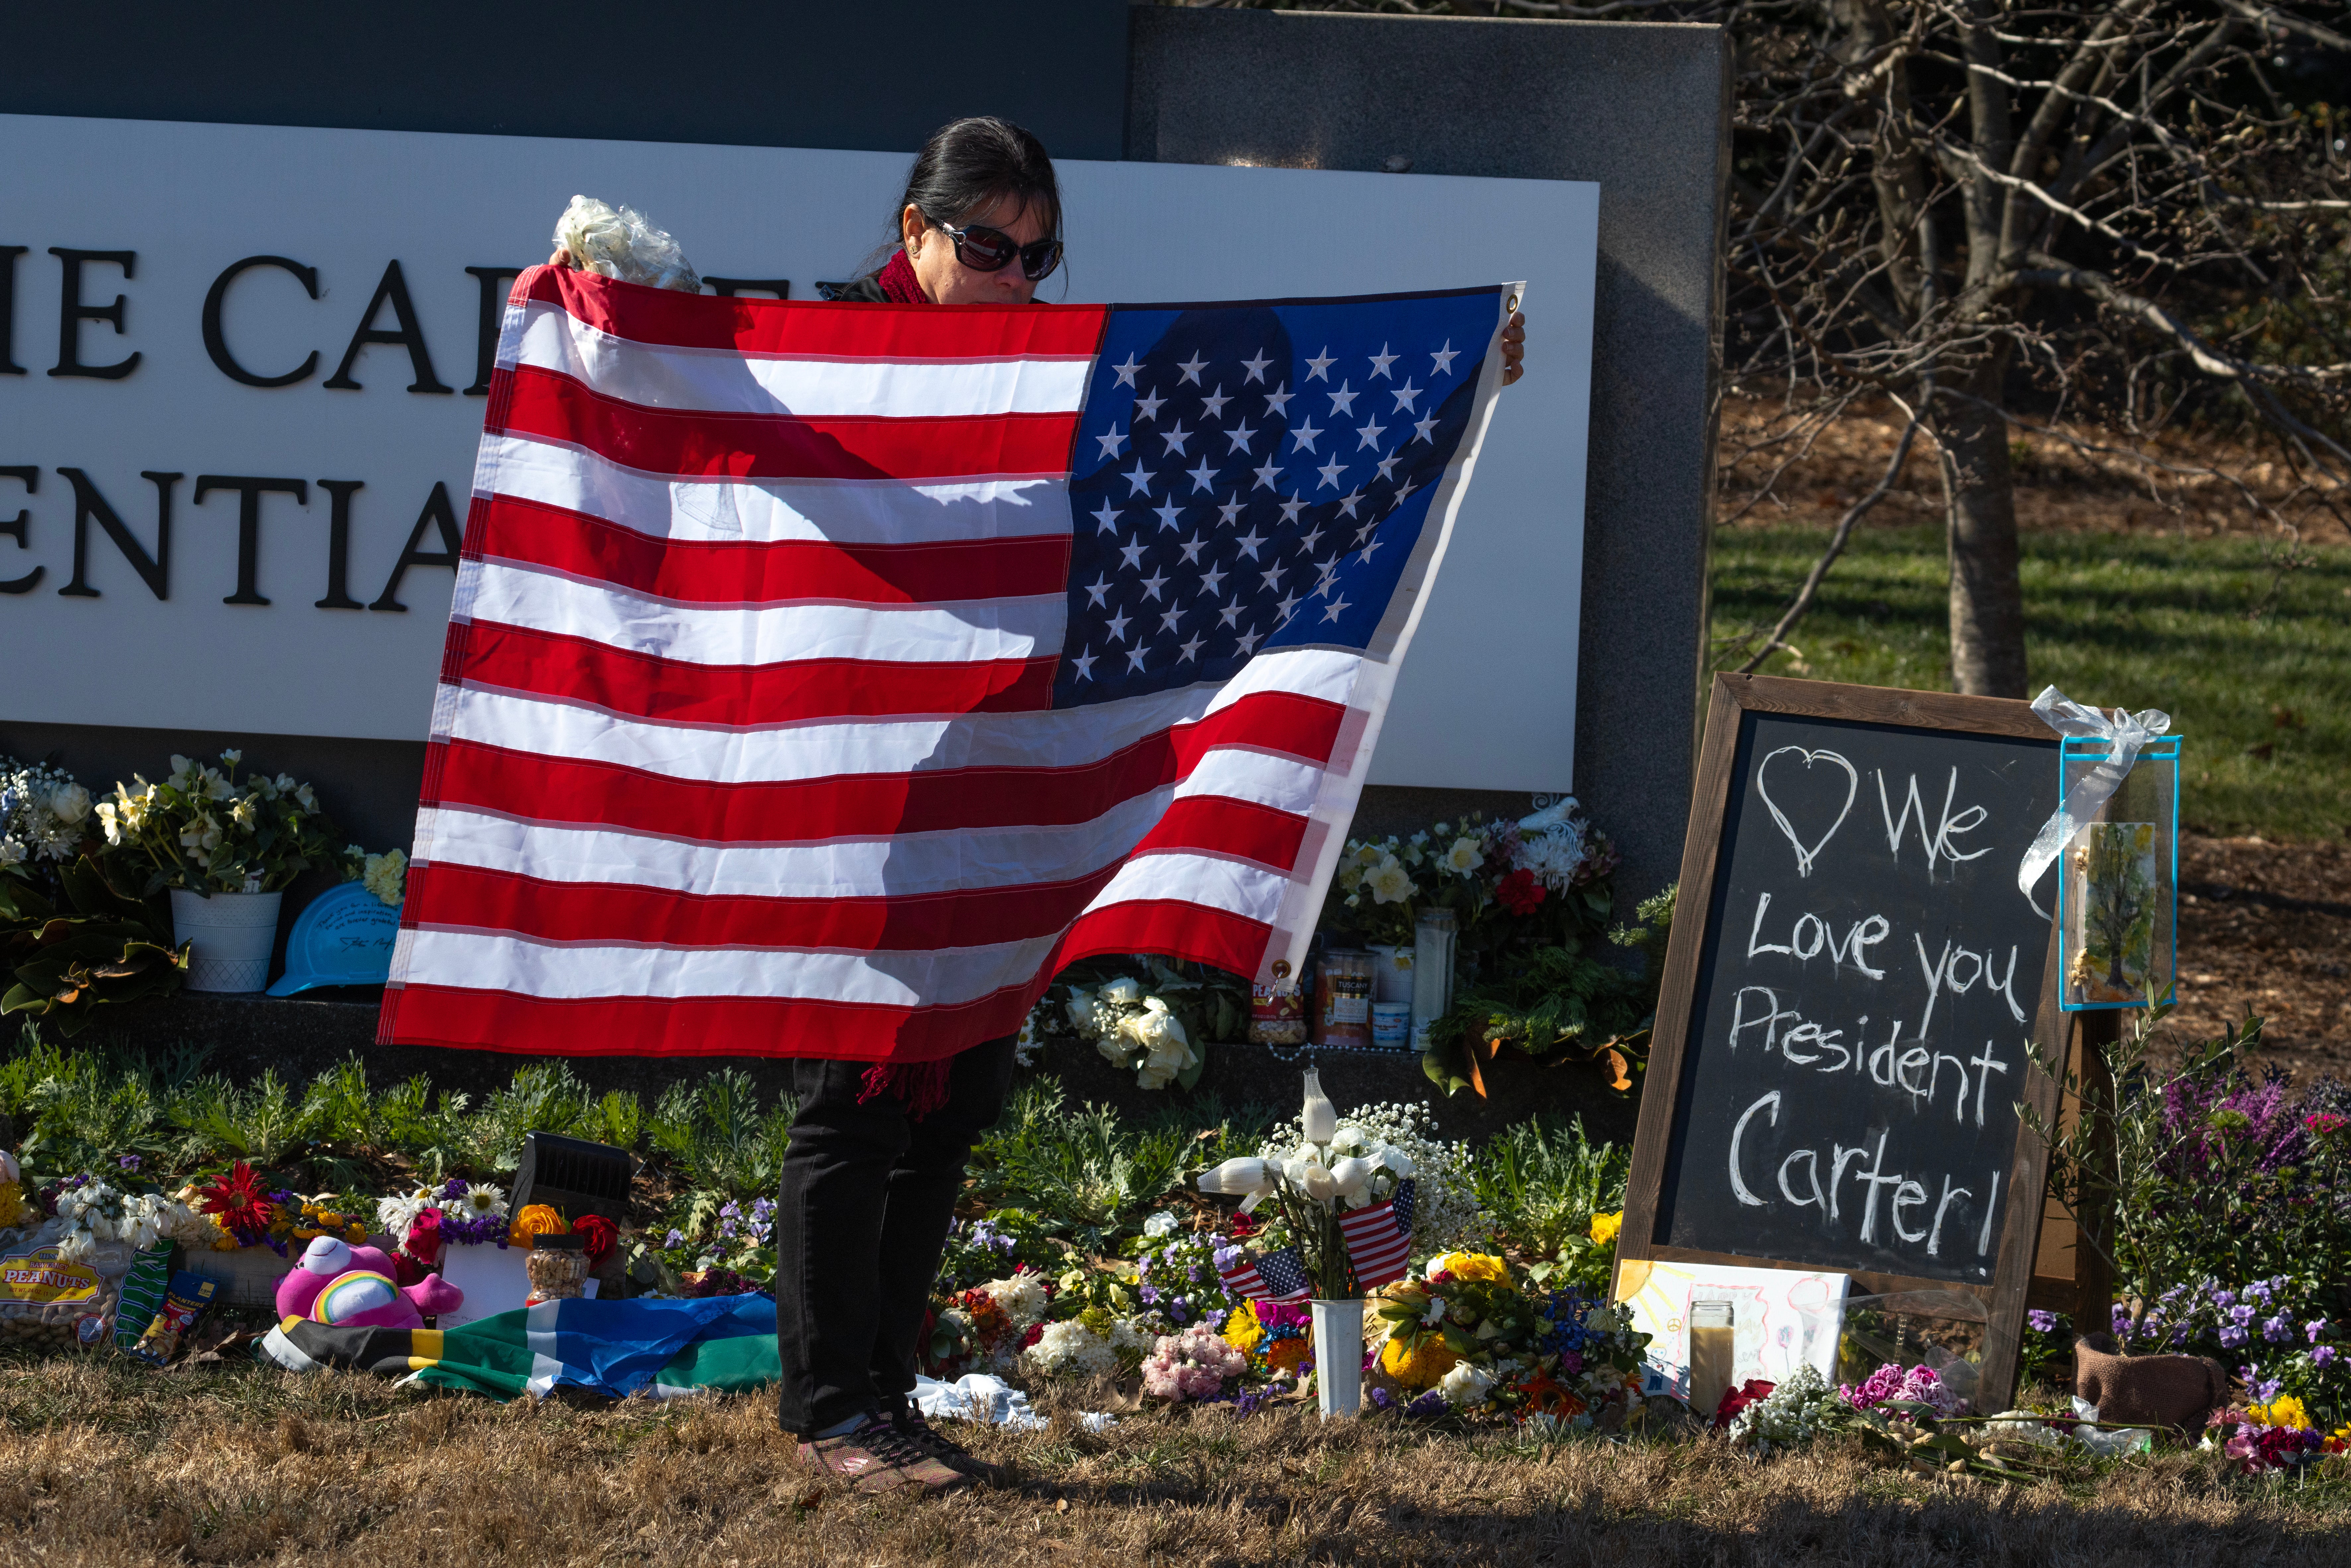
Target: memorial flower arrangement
{"points": [[1506, 882], [1331, 1166], [1474, 1329], [1900, 1391], [204, 828], [1195, 1364], [987, 1327], [1799, 1408], [96, 1212], [1446, 1214], [2276, 1434], [1155, 1025], [45, 814]]}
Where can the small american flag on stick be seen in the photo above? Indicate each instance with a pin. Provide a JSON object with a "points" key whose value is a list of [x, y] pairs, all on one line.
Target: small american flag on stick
{"points": [[1275, 1277], [821, 678], [1378, 1240]]}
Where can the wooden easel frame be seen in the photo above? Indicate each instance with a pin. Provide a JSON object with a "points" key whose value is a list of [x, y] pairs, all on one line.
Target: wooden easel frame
{"points": [[1732, 697]]}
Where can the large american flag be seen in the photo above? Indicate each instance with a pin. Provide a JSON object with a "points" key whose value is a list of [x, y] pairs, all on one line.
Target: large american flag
{"points": [[822, 677]]}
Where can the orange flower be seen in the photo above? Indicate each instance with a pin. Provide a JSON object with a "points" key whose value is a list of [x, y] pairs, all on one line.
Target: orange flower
{"points": [[1284, 1354], [536, 1219], [1546, 1397]]}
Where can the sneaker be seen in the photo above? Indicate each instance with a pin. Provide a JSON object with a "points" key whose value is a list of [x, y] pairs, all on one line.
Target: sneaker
{"points": [[875, 1456], [944, 1448]]}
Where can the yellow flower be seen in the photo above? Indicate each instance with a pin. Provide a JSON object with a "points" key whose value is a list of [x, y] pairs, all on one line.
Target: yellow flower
{"points": [[2284, 1411], [1422, 1368], [1605, 1228], [536, 1219], [1242, 1331], [1471, 1266]]}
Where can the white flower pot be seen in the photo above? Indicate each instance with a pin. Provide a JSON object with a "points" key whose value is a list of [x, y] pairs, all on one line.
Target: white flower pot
{"points": [[233, 933], [1338, 1356]]}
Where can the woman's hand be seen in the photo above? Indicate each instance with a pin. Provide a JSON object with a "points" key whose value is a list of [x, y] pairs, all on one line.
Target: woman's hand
{"points": [[563, 257], [1514, 348]]}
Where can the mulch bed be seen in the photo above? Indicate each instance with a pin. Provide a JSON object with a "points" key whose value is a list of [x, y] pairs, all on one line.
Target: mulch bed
{"points": [[2266, 928]]}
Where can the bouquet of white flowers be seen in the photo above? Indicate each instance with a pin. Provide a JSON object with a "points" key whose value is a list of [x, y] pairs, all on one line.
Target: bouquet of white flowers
{"points": [[1333, 1166], [44, 813], [1131, 1029]]}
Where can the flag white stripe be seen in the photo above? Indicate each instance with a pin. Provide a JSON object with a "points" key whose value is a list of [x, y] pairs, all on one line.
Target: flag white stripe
{"points": [[1065, 738], [490, 960], [820, 511], [971, 630], [726, 380], [1235, 887], [903, 864]]}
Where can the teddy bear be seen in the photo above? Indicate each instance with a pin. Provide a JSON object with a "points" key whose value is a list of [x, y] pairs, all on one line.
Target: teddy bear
{"points": [[353, 1286]]}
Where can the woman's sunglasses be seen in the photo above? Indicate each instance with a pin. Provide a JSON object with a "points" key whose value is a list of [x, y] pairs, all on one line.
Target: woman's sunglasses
{"points": [[991, 250]]}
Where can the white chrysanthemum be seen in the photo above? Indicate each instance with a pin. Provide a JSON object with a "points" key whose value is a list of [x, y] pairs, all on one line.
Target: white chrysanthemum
{"points": [[621, 242], [1554, 855], [1071, 1346], [396, 1216], [386, 876], [1022, 1296]]}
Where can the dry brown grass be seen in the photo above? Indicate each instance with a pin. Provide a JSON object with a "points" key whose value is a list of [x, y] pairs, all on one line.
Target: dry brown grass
{"points": [[101, 1463]]}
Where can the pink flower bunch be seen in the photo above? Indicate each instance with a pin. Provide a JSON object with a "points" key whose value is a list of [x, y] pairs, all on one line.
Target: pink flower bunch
{"points": [[1890, 1384], [2262, 1448], [1193, 1364]]}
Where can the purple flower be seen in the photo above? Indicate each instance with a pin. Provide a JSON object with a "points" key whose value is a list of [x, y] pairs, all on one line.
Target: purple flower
{"points": [[730, 1212], [1175, 1309], [2266, 1392], [2315, 1328], [2323, 1356], [2277, 1330], [675, 1238], [1428, 1405], [129, 1162], [2240, 1316], [1383, 1400], [2042, 1320], [2259, 1291], [1214, 1318], [727, 1228], [1227, 1256], [2232, 1336], [2224, 1298], [1149, 1295]]}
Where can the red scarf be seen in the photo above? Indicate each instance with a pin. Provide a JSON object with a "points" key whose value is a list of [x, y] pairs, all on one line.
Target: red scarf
{"points": [[898, 284]]}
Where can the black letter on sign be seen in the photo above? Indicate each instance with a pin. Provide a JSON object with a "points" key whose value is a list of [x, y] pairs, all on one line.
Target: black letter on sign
{"points": [[217, 346], [72, 313], [486, 330], [248, 524], [411, 336], [155, 571], [8, 255], [14, 526], [436, 510], [728, 287], [338, 543]]}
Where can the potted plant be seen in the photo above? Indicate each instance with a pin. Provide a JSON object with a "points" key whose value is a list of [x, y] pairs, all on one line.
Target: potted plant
{"points": [[226, 848]]}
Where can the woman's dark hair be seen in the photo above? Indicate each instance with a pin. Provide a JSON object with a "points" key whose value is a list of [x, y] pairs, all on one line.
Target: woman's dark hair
{"points": [[970, 165]]}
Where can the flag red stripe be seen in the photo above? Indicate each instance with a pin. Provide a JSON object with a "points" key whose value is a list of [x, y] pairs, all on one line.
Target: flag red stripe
{"points": [[687, 443], [1221, 825], [712, 572], [829, 331], [448, 894], [573, 790], [1231, 942], [697, 1026], [644, 685]]}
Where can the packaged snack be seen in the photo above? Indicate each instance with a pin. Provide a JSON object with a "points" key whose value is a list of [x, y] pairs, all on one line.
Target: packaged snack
{"points": [[185, 1305]]}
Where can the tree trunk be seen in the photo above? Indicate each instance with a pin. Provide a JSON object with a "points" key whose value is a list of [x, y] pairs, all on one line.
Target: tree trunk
{"points": [[1980, 508]]}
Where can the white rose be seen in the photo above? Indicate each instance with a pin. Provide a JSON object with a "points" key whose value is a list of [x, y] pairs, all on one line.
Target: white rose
{"points": [[1081, 1009], [69, 803], [1123, 992]]}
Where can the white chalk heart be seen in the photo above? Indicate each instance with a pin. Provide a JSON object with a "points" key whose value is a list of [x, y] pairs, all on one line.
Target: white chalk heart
{"points": [[1805, 857]]}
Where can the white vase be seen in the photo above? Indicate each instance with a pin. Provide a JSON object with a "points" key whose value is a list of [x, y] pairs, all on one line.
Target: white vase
{"points": [[233, 934], [1338, 1356]]}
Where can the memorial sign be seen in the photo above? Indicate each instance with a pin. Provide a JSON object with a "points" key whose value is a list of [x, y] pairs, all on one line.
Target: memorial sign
{"points": [[1853, 984]]}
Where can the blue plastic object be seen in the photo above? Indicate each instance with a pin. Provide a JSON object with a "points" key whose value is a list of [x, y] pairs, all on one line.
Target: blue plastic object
{"points": [[343, 938]]}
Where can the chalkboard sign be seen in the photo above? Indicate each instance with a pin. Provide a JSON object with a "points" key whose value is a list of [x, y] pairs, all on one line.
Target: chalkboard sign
{"points": [[1851, 991]]}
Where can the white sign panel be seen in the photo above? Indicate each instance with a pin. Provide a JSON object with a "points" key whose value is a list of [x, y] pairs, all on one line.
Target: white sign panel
{"points": [[221, 486]]}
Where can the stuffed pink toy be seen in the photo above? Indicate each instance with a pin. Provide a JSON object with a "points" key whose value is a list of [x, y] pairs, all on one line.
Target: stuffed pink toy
{"points": [[353, 1286]]}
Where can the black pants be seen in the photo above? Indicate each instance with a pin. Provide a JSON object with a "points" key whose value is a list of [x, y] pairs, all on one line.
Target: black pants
{"points": [[868, 1195]]}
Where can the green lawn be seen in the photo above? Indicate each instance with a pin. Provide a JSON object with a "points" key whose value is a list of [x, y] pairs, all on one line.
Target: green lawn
{"points": [[2254, 671]]}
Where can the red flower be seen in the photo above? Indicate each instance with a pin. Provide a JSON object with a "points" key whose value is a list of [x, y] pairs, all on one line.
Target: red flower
{"points": [[1734, 1400], [237, 1199], [1243, 1226], [1518, 893], [1036, 1331], [601, 1234]]}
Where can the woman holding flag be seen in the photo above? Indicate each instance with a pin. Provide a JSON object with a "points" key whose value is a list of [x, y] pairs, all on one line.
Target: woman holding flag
{"points": [[877, 1152]]}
